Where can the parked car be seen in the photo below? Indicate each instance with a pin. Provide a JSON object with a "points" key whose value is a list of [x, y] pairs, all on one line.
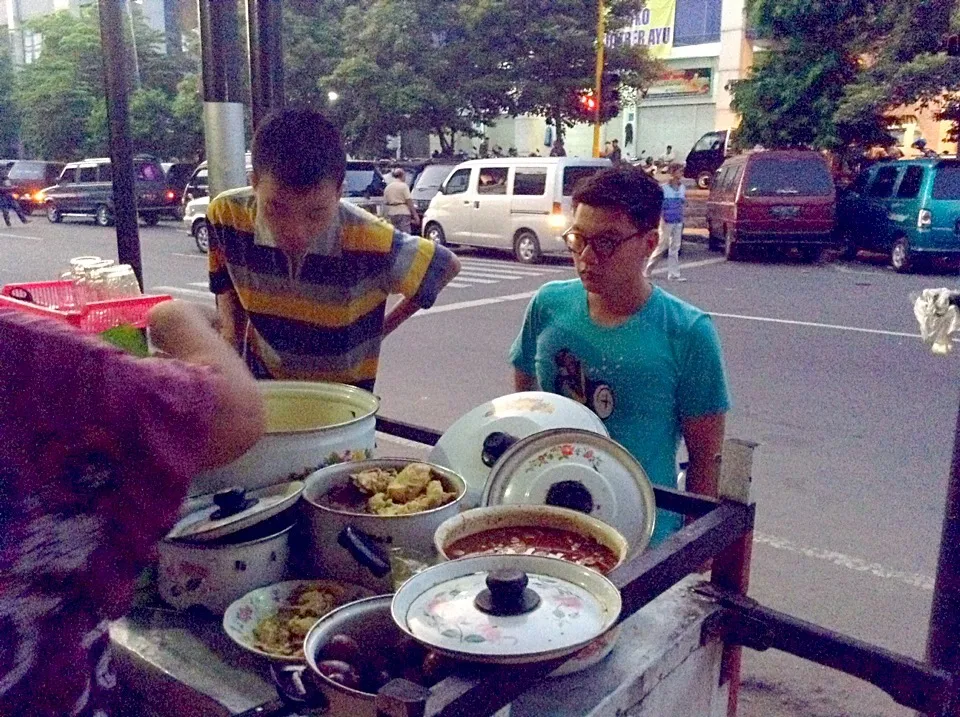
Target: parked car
{"points": [[198, 185], [364, 185], [86, 189], [178, 175], [908, 209], [28, 177], [195, 217], [705, 158], [427, 184], [779, 199], [518, 204]]}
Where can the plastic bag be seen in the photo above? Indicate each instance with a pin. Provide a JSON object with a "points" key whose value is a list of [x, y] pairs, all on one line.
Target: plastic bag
{"points": [[939, 319]]}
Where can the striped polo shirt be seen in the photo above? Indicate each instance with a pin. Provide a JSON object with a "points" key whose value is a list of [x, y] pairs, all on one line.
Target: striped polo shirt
{"points": [[324, 323]]}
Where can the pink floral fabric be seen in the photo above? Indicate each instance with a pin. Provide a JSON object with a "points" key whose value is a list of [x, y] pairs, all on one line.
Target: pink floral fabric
{"points": [[97, 450]]}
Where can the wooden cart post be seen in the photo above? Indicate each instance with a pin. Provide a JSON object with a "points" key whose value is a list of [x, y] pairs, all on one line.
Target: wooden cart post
{"points": [[731, 569]]}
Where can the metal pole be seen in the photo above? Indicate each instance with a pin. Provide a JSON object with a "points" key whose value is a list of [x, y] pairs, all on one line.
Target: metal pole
{"points": [[943, 642], [223, 94], [265, 27], [598, 83], [115, 71]]}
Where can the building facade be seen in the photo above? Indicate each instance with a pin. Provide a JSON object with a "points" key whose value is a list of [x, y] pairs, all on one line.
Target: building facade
{"points": [[702, 44]]}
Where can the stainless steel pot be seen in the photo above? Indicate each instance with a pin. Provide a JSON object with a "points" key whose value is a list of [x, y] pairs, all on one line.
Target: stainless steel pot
{"points": [[355, 547], [309, 426], [213, 574]]}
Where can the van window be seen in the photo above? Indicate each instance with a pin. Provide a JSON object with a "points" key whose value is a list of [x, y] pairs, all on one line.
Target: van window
{"points": [[106, 172], [882, 185], [493, 180], [148, 171], [859, 185], [27, 170], [87, 174], [731, 181], [709, 142], [910, 184], [946, 183], [573, 175], [530, 181], [788, 178], [458, 182], [720, 178], [432, 176], [68, 175]]}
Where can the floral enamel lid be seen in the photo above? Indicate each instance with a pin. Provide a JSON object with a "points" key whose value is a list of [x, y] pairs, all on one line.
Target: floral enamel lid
{"points": [[580, 470], [506, 609]]}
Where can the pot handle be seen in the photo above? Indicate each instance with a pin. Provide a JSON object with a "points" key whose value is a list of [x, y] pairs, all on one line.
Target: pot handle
{"points": [[365, 550], [494, 446]]}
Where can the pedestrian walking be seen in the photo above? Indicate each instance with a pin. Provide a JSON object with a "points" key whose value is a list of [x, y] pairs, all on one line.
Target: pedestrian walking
{"points": [[401, 211], [8, 203], [671, 224], [558, 149], [615, 155]]}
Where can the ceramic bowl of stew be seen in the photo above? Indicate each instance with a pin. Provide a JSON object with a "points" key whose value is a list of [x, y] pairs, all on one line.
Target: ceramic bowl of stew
{"points": [[541, 530]]}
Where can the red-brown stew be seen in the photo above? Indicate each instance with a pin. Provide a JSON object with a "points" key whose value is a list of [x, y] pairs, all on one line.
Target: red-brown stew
{"points": [[546, 542]]}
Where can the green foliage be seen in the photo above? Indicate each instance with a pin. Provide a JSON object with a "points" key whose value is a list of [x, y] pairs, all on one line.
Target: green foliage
{"points": [[9, 114]]}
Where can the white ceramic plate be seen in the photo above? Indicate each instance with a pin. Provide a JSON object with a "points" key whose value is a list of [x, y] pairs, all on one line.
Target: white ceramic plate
{"points": [[245, 614], [519, 415], [562, 467]]}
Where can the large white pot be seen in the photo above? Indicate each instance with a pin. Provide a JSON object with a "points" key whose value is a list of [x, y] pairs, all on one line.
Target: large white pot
{"points": [[334, 535], [309, 426]]}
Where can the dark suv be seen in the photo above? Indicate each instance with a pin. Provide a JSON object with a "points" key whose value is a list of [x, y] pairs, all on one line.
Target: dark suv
{"points": [[29, 176], [86, 189]]}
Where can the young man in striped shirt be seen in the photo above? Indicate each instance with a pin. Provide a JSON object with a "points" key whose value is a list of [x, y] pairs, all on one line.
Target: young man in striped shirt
{"points": [[301, 276]]}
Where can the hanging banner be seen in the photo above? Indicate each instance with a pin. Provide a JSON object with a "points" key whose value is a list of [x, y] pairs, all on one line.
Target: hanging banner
{"points": [[652, 28], [681, 83]]}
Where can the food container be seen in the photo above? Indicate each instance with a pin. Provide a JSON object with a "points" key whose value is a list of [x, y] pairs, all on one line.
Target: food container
{"points": [[353, 546], [309, 426], [220, 553], [480, 520], [506, 609], [474, 443]]}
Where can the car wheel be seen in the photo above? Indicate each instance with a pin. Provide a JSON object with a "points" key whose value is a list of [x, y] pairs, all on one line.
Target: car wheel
{"points": [[151, 220], [810, 254], [53, 214], [434, 232], [102, 216], [704, 180], [730, 249], [201, 234], [526, 248], [900, 256]]}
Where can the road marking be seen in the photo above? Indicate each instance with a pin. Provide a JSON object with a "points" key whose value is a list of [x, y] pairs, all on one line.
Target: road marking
{"points": [[457, 285], [473, 279], [916, 580], [185, 292], [506, 265], [190, 256], [201, 284], [21, 236], [490, 275], [504, 269], [816, 325]]}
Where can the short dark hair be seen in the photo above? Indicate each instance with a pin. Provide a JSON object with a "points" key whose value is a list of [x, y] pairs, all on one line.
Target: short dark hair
{"points": [[625, 189], [300, 148]]}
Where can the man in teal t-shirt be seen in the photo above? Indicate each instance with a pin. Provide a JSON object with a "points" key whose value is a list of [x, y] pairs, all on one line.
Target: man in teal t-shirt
{"points": [[644, 361]]}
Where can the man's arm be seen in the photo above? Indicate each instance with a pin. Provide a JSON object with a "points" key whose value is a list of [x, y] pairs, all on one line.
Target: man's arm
{"points": [[232, 319], [412, 206], [703, 436], [523, 381], [406, 308]]}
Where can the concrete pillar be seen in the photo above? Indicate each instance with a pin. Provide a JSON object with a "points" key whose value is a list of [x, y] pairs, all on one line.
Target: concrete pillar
{"points": [[736, 57]]}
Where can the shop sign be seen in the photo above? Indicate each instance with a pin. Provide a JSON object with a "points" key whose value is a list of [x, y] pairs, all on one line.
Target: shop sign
{"points": [[682, 83], [652, 28]]}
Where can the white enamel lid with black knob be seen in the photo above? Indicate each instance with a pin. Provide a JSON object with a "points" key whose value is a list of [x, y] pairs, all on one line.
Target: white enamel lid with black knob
{"points": [[234, 510]]}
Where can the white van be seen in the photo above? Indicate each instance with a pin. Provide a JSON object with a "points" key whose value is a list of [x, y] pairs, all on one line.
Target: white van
{"points": [[513, 203]]}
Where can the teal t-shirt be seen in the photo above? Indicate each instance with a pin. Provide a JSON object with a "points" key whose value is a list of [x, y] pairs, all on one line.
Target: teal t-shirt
{"points": [[642, 378]]}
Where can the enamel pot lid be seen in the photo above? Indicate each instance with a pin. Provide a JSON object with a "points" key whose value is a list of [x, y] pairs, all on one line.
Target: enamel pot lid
{"points": [[582, 471], [234, 510], [506, 609]]}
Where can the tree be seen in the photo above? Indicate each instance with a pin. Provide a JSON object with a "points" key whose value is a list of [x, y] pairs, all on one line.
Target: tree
{"points": [[550, 46], [9, 115]]}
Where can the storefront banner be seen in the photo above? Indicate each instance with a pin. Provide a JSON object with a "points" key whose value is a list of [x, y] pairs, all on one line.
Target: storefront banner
{"points": [[682, 83], [652, 28]]}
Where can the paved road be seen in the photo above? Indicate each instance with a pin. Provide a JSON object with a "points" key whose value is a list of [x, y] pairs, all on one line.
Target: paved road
{"points": [[854, 417]]}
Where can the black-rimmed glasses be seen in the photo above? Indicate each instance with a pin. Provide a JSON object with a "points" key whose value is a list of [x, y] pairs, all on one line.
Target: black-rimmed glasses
{"points": [[603, 246]]}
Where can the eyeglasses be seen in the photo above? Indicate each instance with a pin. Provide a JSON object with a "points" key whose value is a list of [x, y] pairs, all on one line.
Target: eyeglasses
{"points": [[603, 246]]}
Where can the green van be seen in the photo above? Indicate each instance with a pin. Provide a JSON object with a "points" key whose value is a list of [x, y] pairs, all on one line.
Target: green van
{"points": [[908, 209]]}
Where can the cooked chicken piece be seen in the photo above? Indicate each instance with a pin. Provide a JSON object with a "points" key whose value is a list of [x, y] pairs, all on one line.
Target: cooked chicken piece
{"points": [[372, 481], [409, 483]]}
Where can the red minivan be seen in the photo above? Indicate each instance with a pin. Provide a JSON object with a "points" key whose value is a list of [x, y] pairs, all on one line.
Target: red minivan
{"points": [[782, 198]]}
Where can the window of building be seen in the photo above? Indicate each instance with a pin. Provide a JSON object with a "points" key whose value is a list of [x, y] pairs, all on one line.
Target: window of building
{"points": [[32, 44], [696, 22]]}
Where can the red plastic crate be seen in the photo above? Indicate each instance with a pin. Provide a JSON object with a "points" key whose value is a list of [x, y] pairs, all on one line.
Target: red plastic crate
{"points": [[55, 299]]}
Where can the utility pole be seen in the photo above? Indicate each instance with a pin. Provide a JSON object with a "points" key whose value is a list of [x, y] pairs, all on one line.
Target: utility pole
{"points": [[265, 26], [601, 36]]}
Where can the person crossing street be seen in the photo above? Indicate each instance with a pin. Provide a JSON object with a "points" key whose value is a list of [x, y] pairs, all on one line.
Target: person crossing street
{"points": [[671, 225]]}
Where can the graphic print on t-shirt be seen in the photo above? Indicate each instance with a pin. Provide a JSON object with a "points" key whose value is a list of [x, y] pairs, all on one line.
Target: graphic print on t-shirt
{"points": [[572, 381]]}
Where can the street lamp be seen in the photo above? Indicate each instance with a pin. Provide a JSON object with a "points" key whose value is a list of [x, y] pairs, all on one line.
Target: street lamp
{"points": [[332, 96]]}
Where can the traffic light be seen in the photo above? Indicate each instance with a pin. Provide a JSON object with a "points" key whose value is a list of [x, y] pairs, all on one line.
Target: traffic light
{"points": [[586, 105], [609, 96]]}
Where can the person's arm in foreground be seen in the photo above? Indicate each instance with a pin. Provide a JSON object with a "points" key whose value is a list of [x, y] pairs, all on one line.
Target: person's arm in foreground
{"points": [[443, 267], [232, 319], [182, 331], [703, 436]]}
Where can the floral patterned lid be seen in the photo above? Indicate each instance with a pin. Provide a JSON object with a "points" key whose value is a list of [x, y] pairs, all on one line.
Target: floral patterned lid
{"points": [[580, 470], [234, 510], [506, 609]]}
